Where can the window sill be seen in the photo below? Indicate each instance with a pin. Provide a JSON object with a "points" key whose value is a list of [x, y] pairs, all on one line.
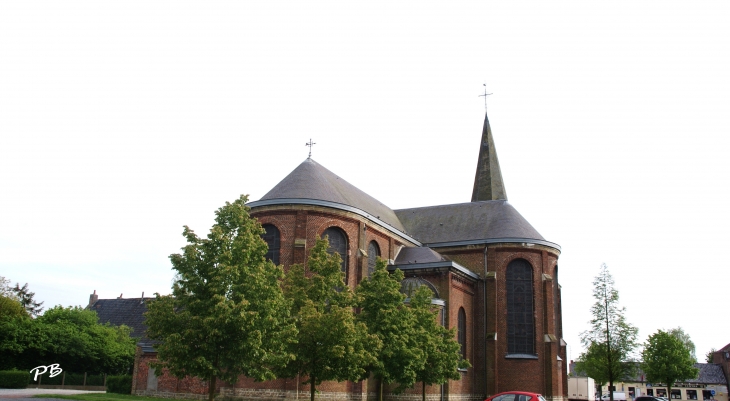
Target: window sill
{"points": [[521, 356]]}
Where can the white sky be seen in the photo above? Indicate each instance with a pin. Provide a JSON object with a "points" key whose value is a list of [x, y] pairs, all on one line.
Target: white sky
{"points": [[122, 121]]}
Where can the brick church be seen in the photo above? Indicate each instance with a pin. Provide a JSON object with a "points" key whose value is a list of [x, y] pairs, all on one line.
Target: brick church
{"points": [[493, 276]]}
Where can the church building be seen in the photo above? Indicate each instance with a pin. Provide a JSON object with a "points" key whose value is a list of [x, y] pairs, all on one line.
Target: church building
{"points": [[493, 276]]}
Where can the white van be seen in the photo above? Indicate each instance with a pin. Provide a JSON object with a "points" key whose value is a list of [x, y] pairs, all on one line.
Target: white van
{"points": [[617, 396]]}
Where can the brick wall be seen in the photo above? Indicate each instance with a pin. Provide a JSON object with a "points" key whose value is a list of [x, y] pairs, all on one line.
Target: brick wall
{"points": [[491, 370]]}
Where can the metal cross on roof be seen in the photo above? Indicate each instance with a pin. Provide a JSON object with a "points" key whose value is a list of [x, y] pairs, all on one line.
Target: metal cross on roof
{"points": [[310, 144], [485, 96]]}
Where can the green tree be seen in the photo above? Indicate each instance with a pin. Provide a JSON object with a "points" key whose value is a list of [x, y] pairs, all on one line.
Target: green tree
{"points": [[14, 334], [10, 307], [686, 340], [611, 340], [73, 338], [5, 289], [26, 299], [710, 354], [387, 317], [442, 352], [331, 345], [667, 360], [592, 363], [227, 315]]}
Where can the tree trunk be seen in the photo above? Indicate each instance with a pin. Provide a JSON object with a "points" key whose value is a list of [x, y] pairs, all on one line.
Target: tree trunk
{"points": [[211, 388], [608, 346], [311, 388], [380, 389], [423, 391]]}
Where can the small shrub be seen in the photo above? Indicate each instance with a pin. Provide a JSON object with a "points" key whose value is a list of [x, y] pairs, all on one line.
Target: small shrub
{"points": [[72, 379], [119, 384], [95, 380], [14, 379]]}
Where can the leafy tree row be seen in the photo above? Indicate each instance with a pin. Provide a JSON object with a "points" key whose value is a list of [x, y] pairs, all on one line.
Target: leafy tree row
{"points": [[71, 337], [668, 356], [233, 312]]}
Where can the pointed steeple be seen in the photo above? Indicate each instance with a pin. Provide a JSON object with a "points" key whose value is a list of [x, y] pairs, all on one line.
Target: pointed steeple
{"points": [[488, 184]]}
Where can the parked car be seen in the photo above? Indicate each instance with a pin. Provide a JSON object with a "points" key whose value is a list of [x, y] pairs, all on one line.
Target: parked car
{"points": [[617, 396], [516, 396]]}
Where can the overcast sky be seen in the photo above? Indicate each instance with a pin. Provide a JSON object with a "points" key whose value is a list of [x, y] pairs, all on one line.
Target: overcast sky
{"points": [[120, 122]]}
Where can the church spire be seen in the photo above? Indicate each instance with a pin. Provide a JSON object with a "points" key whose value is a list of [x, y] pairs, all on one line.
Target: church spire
{"points": [[488, 184]]}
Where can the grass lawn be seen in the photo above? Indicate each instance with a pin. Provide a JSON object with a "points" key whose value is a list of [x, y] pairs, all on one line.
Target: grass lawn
{"points": [[98, 397]]}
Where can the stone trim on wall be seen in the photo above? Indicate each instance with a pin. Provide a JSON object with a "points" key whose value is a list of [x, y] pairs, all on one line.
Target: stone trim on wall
{"points": [[169, 394], [289, 395], [464, 397]]}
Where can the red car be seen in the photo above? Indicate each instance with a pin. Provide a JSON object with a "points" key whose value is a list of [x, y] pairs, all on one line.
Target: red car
{"points": [[516, 396]]}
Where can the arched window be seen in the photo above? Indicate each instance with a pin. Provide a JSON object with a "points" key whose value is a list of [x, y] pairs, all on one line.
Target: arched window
{"points": [[373, 253], [338, 243], [461, 332], [273, 240], [520, 318]]}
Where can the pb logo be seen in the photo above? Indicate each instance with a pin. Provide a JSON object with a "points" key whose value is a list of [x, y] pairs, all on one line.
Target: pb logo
{"points": [[54, 369]]}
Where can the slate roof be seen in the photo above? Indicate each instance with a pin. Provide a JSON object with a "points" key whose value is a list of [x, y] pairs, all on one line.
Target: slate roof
{"points": [[488, 183], [127, 311], [310, 180], [466, 221], [417, 255], [710, 373]]}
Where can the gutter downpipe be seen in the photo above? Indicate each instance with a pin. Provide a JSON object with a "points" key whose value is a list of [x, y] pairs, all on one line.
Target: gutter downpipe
{"points": [[484, 283], [443, 324]]}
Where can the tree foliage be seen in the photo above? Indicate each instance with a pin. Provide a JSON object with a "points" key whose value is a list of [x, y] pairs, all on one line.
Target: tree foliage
{"points": [[388, 318], [441, 350], [685, 339], [17, 337], [10, 307], [592, 362], [611, 340], [667, 359], [26, 298], [331, 345], [710, 355], [77, 341], [5, 289], [71, 337], [227, 315]]}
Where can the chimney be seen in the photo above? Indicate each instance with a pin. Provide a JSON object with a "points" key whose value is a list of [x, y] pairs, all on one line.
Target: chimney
{"points": [[141, 300], [93, 298], [120, 296]]}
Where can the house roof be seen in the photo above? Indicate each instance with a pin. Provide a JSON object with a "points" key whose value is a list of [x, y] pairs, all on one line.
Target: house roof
{"points": [[710, 373], [127, 311], [310, 180], [466, 221]]}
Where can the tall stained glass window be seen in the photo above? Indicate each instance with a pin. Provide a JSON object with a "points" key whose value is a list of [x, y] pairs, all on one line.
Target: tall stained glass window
{"points": [[520, 316]]}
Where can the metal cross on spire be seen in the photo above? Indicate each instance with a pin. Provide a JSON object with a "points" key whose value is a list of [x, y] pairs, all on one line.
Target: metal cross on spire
{"points": [[485, 96], [310, 144]]}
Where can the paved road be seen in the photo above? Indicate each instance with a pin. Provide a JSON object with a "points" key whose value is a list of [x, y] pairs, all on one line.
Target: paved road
{"points": [[23, 394]]}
